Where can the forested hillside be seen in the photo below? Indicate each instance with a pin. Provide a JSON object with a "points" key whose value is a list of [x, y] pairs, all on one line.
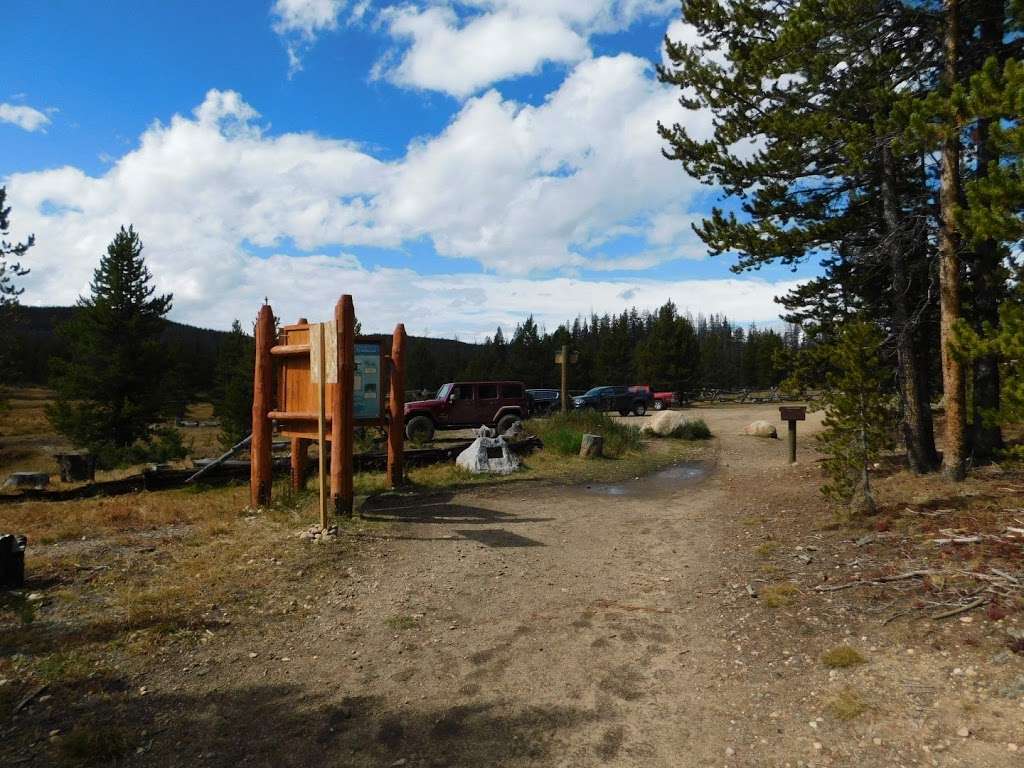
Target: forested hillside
{"points": [[662, 348]]}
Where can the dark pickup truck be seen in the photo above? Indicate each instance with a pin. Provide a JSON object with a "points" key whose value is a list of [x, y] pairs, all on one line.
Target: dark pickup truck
{"points": [[462, 404], [619, 399]]}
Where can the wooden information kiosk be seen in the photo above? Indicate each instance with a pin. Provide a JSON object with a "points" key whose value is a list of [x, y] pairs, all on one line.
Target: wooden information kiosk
{"points": [[318, 381]]}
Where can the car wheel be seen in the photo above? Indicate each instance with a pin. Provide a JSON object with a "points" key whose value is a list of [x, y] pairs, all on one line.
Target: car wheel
{"points": [[419, 429], [640, 409], [659, 405], [505, 423]]}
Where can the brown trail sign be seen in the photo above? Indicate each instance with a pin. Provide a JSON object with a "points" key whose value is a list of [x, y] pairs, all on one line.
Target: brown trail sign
{"points": [[317, 376]]}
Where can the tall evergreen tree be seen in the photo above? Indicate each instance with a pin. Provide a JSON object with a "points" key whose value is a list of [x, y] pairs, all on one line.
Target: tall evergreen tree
{"points": [[11, 255], [232, 402], [828, 178], [114, 383]]}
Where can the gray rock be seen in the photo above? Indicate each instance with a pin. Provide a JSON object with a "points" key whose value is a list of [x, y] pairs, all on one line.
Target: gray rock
{"points": [[1012, 690]]}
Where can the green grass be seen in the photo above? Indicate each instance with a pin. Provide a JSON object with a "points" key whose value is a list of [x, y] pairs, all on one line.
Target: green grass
{"points": [[841, 657], [692, 429], [93, 745], [398, 623], [848, 705], [779, 595], [563, 433]]}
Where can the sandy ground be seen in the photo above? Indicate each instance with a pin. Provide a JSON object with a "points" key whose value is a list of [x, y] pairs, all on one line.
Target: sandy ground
{"points": [[543, 625]]}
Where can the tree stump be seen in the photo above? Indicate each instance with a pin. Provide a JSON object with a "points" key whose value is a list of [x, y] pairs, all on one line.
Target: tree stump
{"points": [[592, 447], [76, 467]]}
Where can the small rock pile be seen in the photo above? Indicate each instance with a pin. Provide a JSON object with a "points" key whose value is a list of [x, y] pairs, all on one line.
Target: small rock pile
{"points": [[318, 534]]}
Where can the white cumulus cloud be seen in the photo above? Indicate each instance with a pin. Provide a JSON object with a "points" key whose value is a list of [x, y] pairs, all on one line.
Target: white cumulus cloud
{"points": [[24, 117], [230, 212], [463, 46], [299, 22]]}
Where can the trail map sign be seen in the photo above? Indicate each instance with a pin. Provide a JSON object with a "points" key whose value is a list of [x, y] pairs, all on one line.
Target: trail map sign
{"points": [[369, 381]]}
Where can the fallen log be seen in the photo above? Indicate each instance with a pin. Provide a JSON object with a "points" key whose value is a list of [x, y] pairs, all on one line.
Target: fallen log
{"points": [[222, 471]]}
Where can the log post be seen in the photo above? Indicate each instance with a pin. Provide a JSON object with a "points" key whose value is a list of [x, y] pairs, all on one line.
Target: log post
{"points": [[592, 446], [300, 450], [396, 427], [260, 477], [342, 437], [300, 462]]}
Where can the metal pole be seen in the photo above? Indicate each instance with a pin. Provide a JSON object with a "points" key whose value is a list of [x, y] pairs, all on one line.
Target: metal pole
{"points": [[221, 459]]}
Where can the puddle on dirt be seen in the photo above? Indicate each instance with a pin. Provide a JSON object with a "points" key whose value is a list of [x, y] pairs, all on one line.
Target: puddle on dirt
{"points": [[660, 483]]}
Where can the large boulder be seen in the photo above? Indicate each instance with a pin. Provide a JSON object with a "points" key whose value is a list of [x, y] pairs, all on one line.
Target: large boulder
{"points": [[490, 455], [664, 423], [761, 429]]}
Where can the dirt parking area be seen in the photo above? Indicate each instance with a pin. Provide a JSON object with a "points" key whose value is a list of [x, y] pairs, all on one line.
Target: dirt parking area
{"points": [[674, 620]]}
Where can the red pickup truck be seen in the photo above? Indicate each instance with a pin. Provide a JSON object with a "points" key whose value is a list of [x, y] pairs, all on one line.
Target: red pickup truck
{"points": [[462, 404], [659, 401]]}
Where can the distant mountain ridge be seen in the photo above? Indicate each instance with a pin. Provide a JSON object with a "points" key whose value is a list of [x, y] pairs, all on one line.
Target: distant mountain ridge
{"points": [[37, 341]]}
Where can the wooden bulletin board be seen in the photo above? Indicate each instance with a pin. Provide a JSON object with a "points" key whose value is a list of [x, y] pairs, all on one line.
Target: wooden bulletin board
{"points": [[295, 402]]}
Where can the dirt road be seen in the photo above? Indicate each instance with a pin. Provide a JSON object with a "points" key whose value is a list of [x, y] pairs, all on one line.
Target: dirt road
{"points": [[530, 625]]}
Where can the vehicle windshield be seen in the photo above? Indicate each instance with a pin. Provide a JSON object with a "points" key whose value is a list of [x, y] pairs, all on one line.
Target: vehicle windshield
{"points": [[594, 392], [442, 393]]}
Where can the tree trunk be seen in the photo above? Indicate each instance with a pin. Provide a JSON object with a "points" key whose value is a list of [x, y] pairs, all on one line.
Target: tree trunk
{"points": [[954, 453], [989, 285], [918, 431]]}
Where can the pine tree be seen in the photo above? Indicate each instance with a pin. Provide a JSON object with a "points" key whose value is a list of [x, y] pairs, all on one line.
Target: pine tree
{"points": [[113, 386], [1004, 343], [858, 415], [11, 268], [232, 402]]}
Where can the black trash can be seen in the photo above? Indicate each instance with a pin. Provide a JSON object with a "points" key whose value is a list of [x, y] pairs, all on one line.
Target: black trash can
{"points": [[12, 561]]}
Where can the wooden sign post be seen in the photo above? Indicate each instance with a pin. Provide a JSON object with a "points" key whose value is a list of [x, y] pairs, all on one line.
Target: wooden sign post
{"points": [[323, 370], [319, 382], [792, 414], [563, 358], [342, 436], [396, 424], [262, 393]]}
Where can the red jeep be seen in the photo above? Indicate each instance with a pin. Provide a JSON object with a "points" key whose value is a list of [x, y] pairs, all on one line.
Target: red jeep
{"points": [[459, 405], [657, 400]]}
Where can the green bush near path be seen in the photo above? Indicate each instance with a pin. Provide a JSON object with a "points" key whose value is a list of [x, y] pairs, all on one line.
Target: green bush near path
{"points": [[692, 429], [563, 433]]}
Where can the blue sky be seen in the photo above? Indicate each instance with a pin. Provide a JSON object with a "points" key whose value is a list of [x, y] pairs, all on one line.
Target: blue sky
{"points": [[453, 164]]}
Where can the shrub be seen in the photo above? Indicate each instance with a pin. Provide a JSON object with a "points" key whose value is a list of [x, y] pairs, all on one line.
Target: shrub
{"points": [[692, 429], [563, 432], [842, 656]]}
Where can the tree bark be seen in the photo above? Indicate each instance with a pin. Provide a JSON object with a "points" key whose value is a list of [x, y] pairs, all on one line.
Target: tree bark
{"points": [[918, 430], [954, 451], [989, 286]]}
